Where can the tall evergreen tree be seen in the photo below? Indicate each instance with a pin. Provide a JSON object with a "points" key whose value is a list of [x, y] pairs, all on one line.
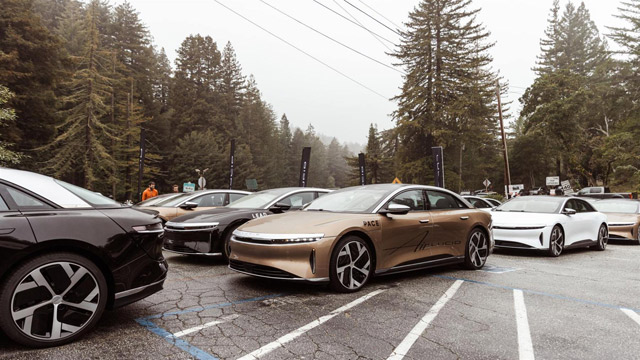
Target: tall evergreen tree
{"points": [[7, 118]]}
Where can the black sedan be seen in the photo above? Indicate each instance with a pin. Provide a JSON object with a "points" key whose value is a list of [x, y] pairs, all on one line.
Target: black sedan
{"points": [[67, 254], [208, 232]]}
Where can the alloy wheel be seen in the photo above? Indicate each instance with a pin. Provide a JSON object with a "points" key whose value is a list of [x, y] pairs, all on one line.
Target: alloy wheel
{"points": [[55, 300], [557, 241], [478, 249], [353, 265], [603, 237]]}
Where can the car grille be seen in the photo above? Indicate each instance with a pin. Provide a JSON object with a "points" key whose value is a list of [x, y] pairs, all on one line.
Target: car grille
{"points": [[180, 248], [512, 244], [260, 270]]}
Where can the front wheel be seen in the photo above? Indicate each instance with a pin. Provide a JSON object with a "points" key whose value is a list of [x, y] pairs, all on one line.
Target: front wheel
{"points": [[477, 250], [52, 299], [351, 266], [603, 238], [556, 242], [226, 241]]}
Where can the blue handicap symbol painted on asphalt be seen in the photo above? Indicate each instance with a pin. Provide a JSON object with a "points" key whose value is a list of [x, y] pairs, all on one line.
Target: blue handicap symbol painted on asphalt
{"points": [[498, 269]]}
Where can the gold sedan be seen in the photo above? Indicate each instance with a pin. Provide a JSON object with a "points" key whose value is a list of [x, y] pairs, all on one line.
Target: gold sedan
{"points": [[345, 237], [623, 218], [187, 203]]}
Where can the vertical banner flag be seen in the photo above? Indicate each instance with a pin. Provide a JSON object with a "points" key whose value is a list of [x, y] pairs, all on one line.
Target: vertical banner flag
{"points": [[141, 163], [231, 162], [363, 171], [304, 167], [438, 166]]}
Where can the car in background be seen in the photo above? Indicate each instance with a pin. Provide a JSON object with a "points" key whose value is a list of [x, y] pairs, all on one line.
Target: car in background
{"points": [[492, 201], [156, 199], [200, 200], [480, 203], [208, 232], [539, 191], [549, 223], [601, 192], [623, 218], [346, 237], [67, 255]]}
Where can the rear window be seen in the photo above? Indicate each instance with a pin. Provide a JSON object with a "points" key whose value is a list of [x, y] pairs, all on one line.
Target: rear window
{"points": [[93, 198]]}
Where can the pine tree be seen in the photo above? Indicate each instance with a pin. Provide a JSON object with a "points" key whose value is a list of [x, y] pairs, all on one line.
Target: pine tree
{"points": [[232, 86], [7, 118]]}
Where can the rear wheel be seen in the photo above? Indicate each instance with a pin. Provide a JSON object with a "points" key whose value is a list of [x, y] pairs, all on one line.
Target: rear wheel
{"points": [[477, 250], [603, 238], [52, 299], [556, 242], [351, 265]]}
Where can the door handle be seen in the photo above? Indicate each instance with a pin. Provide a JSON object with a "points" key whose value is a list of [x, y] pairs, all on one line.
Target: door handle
{"points": [[425, 221], [464, 218], [6, 231]]}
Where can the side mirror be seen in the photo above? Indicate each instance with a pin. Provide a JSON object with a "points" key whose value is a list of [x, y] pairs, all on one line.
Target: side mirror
{"points": [[395, 209], [279, 207], [189, 205], [569, 212]]}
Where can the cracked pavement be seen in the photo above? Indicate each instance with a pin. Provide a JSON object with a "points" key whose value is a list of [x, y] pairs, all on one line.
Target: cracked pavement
{"points": [[571, 303]]}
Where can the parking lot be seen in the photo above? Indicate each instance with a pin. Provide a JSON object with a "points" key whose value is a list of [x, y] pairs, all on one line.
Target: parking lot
{"points": [[582, 305]]}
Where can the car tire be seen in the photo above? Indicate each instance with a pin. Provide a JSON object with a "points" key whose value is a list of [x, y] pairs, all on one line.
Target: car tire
{"points": [[602, 239], [66, 285], [556, 242], [226, 241], [347, 274], [476, 250]]}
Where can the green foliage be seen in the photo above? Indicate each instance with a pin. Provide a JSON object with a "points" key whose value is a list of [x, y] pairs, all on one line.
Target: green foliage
{"points": [[7, 118]]}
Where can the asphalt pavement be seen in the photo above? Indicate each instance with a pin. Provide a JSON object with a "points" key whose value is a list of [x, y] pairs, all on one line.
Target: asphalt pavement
{"points": [[583, 305]]}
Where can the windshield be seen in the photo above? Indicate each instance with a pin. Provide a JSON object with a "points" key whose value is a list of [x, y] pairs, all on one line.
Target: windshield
{"points": [[616, 206], [92, 198], [357, 199], [533, 204], [259, 200], [174, 201], [157, 199]]}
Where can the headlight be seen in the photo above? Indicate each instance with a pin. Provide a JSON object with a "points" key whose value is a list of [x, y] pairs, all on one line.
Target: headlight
{"points": [[295, 240], [149, 229], [275, 239], [183, 227]]}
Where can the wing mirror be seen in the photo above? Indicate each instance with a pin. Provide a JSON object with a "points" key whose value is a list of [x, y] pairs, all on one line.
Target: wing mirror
{"points": [[189, 205], [569, 212], [395, 209], [279, 207]]}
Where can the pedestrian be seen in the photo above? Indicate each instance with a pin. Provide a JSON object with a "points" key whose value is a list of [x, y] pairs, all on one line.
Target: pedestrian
{"points": [[150, 191], [175, 188], [559, 191]]}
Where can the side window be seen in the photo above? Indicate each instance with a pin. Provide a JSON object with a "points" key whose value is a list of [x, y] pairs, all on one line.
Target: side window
{"points": [[298, 200], [571, 205], [233, 197], [441, 201], [25, 201], [209, 200], [478, 203], [3, 205], [583, 206], [413, 199]]}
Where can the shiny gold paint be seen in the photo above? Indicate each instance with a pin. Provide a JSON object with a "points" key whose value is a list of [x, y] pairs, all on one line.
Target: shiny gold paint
{"points": [[169, 213], [627, 232]]}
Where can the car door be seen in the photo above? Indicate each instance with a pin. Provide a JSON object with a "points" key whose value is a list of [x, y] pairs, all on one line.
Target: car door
{"points": [[451, 223], [572, 224], [588, 219], [15, 230], [406, 238]]}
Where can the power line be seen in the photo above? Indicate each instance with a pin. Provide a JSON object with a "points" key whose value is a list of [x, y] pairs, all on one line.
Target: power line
{"points": [[329, 37], [356, 20], [302, 51], [354, 23], [374, 10], [374, 19]]}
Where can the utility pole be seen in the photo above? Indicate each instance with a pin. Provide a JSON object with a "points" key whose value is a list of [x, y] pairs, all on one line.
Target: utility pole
{"points": [[507, 173]]}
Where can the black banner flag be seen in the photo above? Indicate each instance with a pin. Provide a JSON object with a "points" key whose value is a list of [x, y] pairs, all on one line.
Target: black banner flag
{"points": [[304, 167], [363, 170], [438, 166], [141, 163], [232, 160]]}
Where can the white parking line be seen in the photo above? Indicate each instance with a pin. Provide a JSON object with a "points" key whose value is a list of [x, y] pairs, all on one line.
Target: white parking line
{"points": [[204, 326], [401, 350], [632, 314], [290, 336], [525, 346]]}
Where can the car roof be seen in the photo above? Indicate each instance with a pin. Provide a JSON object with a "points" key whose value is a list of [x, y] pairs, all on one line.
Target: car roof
{"points": [[44, 186]]}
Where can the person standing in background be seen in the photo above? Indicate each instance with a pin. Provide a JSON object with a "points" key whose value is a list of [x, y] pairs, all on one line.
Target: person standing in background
{"points": [[175, 189], [150, 191]]}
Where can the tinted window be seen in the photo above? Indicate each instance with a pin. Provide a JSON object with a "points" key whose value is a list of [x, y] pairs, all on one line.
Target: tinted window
{"points": [[439, 201], [233, 197], [89, 196], [413, 199], [25, 201], [210, 200], [3, 205], [297, 200], [478, 203]]}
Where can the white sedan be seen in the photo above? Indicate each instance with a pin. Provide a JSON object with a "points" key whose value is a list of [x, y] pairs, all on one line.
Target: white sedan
{"points": [[550, 223]]}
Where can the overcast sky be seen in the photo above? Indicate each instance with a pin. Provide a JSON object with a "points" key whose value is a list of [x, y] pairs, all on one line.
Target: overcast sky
{"points": [[310, 92]]}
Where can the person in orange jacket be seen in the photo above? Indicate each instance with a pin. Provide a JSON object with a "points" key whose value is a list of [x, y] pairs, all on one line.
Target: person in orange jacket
{"points": [[150, 192]]}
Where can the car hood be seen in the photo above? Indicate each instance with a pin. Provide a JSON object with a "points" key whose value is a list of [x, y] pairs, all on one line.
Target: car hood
{"points": [[221, 215], [620, 218], [510, 219], [307, 222]]}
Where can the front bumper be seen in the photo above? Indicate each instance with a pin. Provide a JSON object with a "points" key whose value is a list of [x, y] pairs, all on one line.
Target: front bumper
{"points": [[521, 237], [189, 242], [154, 275], [304, 261], [623, 232]]}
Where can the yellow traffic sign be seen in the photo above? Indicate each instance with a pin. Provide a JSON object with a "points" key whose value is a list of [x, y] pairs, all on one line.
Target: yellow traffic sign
{"points": [[396, 181]]}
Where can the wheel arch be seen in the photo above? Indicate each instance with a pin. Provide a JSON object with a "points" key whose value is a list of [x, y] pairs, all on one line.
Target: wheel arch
{"points": [[362, 235], [227, 229]]}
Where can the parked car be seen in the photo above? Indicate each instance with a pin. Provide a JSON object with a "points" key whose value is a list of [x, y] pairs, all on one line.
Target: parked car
{"points": [[67, 255], [623, 218], [492, 201], [200, 200], [601, 192], [208, 232], [346, 237], [550, 223], [480, 203], [539, 191], [156, 199]]}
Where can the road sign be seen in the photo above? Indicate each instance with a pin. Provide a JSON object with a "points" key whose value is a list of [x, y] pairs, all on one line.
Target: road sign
{"points": [[188, 187], [566, 186], [252, 184], [396, 181], [486, 183], [202, 182], [553, 180]]}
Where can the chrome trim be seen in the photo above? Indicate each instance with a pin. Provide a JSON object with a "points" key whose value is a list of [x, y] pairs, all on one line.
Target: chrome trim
{"points": [[188, 225], [620, 224], [262, 236], [188, 253], [159, 231], [415, 187], [324, 279], [538, 227], [428, 262], [137, 290]]}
